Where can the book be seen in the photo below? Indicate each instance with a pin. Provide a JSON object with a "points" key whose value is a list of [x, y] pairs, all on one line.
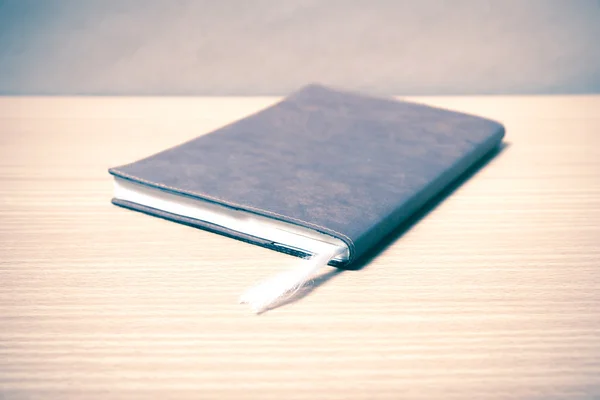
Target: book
{"points": [[323, 174]]}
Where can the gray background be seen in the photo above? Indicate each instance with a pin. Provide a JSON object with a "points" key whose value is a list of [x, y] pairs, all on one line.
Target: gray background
{"points": [[272, 47]]}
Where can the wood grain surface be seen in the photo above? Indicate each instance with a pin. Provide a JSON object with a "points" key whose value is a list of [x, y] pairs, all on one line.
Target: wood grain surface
{"points": [[493, 293]]}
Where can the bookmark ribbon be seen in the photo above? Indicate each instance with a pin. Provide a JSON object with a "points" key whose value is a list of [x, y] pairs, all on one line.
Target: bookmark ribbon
{"points": [[279, 288]]}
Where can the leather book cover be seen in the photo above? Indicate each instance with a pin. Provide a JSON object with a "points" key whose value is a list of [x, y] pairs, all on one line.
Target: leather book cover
{"points": [[343, 164]]}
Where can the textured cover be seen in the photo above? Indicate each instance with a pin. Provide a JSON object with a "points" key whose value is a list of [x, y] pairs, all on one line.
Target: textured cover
{"points": [[344, 164]]}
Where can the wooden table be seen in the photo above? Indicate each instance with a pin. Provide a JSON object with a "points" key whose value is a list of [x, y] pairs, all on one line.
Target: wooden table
{"points": [[495, 293]]}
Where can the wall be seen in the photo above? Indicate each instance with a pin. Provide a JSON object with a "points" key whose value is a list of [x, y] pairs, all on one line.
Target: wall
{"points": [[272, 47]]}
